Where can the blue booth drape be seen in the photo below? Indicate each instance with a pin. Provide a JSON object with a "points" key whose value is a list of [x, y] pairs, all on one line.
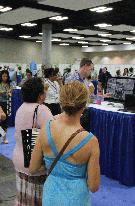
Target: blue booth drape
{"points": [[116, 134]]}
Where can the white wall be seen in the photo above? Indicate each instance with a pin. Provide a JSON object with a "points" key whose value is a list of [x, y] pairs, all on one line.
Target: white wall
{"points": [[19, 51]]}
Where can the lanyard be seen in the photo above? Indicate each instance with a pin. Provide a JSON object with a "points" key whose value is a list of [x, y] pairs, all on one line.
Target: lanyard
{"points": [[53, 85]]}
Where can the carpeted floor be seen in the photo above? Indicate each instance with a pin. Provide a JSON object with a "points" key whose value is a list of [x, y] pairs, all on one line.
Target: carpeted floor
{"points": [[111, 193]]}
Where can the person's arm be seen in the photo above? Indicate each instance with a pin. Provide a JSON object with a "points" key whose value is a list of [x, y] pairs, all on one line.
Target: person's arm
{"points": [[36, 158], [93, 169], [2, 114]]}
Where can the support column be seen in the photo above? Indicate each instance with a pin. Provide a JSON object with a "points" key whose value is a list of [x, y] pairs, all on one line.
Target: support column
{"points": [[46, 44]]}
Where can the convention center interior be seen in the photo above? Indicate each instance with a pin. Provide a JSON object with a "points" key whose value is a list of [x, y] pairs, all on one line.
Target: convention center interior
{"points": [[67, 102]]}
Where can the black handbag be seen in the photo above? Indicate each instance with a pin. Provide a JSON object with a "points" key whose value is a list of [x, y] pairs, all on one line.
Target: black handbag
{"points": [[29, 138]]}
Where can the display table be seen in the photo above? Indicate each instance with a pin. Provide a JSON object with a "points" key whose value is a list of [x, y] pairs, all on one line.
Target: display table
{"points": [[15, 104], [116, 134]]}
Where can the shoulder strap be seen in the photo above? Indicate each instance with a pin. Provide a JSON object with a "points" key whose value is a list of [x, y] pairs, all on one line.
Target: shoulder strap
{"points": [[63, 149], [50, 141], [35, 116], [78, 146]]}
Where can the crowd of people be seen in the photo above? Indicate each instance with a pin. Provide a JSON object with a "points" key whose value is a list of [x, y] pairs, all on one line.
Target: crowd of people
{"points": [[59, 103]]}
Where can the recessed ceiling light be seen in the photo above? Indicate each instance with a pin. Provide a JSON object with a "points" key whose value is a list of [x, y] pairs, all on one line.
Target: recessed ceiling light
{"points": [[83, 42], [6, 29], [5, 9], [58, 18], [84, 46], [70, 30], [127, 43], [101, 9], [64, 44], [104, 44], [104, 10], [38, 41], [133, 31], [56, 40], [29, 24], [40, 33], [25, 36], [77, 37], [104, 35], [98, 8], [102, 25], [130, 38], [104, 40]]}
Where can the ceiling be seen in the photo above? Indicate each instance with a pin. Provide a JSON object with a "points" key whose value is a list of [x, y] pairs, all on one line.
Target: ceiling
{"points": [[121, 17]]}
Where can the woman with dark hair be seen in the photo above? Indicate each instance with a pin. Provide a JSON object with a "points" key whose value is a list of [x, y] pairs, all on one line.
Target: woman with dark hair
{"points": [[77, 171], [125, 73], [5, 92], [52, 95], [29, 188]]}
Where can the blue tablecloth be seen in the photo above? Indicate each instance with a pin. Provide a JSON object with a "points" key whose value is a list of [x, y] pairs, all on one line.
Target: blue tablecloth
{"points": [[16, 103], [116, 134]]}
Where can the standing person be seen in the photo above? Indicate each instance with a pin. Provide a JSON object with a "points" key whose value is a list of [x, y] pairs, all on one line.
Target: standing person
{"points": [[86, 66], [29, 188], [52, 95], [131, 72], [103, 77], [125, 73], [5, 92], [78, 170]]}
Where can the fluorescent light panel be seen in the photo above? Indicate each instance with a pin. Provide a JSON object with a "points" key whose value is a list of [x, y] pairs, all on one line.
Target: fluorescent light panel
{"points": [[82, 42], [84, 46], [56, 40], [6, 29], [64, 44], [102, 25], [130, 38], [25, 36], [104, 35], [4, 9], [77, 37], [70, 30], [58, 18], [133, 31], [104, 40], [28, 24], [101, 9], [38, 41], [127, 43]]}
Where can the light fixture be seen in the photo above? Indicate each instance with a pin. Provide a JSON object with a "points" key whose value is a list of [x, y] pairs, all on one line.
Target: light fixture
{"points": [[130, 38], [104, 44], [133, 31], [64, 44], [58, 18], [98, 8], [70, 30], [40, 33], [1, 7], [38, 41], [104, 40], [84, 46], [104, 35], [4, 9], [127, 43], [25, 36], [101, 9], [6, 29], [102, 25], [56, 40], [82, 42], [29, 24], [77, 37]]}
